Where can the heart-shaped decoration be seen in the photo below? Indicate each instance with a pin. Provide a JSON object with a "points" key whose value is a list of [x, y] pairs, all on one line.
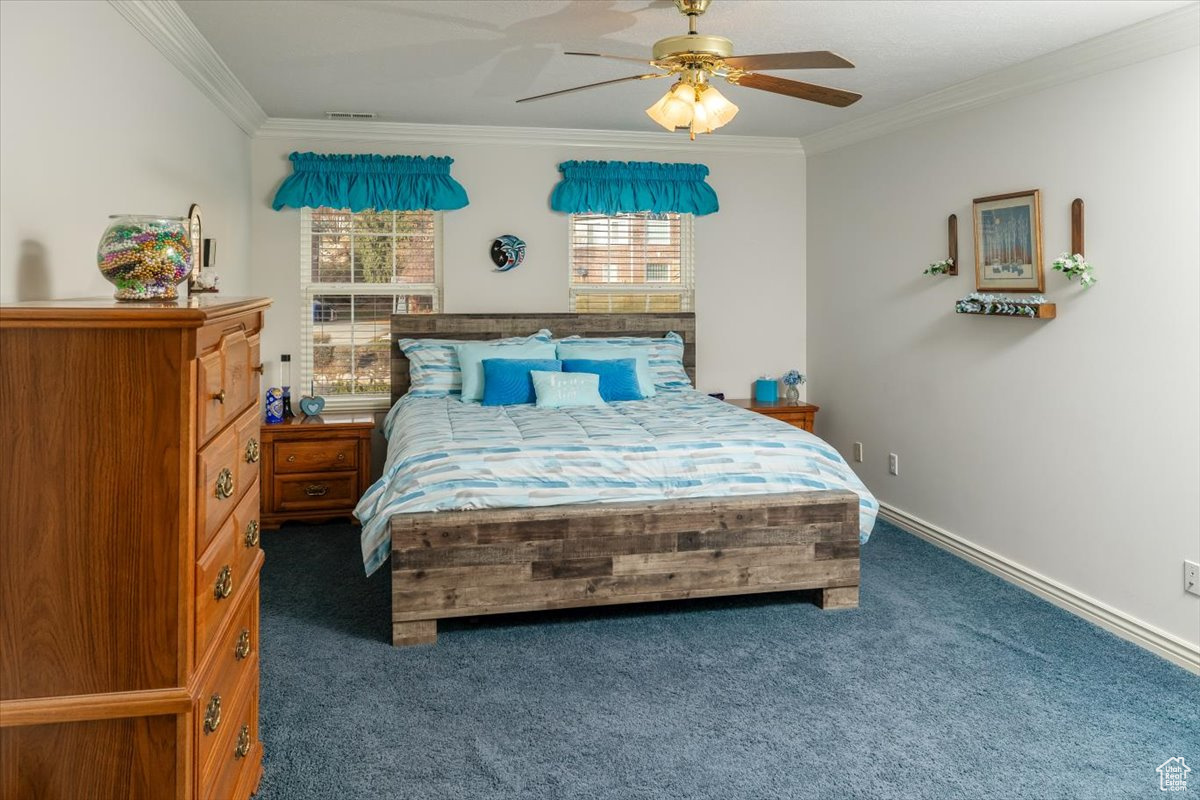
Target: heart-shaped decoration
{"points": [[311, 406]]}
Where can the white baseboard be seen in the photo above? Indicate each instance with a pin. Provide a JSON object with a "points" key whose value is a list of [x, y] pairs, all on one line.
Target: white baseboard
{"points": [[1129, 628]]}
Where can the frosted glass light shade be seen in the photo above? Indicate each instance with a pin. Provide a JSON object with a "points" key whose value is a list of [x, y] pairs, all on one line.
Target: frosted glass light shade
{"points": [[675, 109], [718, 110]]}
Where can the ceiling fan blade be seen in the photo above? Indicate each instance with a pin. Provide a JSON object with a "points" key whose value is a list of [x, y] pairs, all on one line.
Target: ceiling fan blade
{"points": [[607, 55], [816, 59], [594, 85], [805, 91]]}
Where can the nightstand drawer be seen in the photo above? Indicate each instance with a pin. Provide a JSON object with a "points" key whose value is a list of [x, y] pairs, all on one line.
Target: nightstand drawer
{"points": [[316, 455], [316, 491]]}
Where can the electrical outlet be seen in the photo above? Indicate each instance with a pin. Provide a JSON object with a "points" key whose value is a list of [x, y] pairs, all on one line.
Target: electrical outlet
{"points": [[858, 452], [1191, 577], [893, 463]]}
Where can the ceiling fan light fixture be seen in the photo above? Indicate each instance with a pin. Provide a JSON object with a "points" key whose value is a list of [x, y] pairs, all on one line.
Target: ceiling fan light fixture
{"points": [[718, 110], [676, 108]]}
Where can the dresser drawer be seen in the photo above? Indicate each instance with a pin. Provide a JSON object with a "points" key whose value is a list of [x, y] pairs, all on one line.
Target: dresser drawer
{"points": [[249, 447], [222, 574], [225, 380], [316, 455], [246, 531], [316, 491], [224, 476], [235, 753], [232, 661]]}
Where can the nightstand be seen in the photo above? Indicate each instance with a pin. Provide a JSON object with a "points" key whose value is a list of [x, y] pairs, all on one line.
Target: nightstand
{"points": [[801, 415], [315, 468]]}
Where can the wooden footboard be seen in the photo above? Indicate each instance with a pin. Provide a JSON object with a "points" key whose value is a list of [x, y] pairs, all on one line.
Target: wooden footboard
{"points": [[468, 563]]}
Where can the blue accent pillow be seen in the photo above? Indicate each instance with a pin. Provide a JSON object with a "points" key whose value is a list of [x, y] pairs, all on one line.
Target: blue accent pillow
{"points": [[618, 376], [566, 389], [506, 381], [594, 349]]}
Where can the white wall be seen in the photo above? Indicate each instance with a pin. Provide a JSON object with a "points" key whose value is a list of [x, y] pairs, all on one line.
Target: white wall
{"points": [[750, 280], [1068, 446], [94, 121]]}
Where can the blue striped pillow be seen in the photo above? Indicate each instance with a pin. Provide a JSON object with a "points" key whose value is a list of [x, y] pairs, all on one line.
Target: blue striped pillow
{"points": [[665, 357], [433, 369]]}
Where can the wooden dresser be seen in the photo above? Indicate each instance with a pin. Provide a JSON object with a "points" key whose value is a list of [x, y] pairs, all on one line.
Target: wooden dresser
{"points": [[129, 554]]}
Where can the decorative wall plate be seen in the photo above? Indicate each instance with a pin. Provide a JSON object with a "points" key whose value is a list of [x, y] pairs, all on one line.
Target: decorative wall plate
{"points": [[508, 252]]}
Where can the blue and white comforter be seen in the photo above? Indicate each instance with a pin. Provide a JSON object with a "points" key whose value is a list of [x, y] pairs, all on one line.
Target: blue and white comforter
{"points": [[446, 455]]}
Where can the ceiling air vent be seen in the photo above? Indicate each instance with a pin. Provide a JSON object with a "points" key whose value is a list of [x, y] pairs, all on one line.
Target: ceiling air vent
{"points": [[350, 115]]}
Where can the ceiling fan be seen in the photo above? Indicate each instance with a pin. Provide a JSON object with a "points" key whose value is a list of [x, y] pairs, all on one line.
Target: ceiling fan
{"points": [[695, 59]]}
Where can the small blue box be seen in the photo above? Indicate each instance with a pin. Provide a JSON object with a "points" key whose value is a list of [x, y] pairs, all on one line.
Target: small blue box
{"points": [[766, 390]]}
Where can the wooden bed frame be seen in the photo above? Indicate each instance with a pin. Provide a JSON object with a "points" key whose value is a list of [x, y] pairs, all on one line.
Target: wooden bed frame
{"points": [[468, 563]]}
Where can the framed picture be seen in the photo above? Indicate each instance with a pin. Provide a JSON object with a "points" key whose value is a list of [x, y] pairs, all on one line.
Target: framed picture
{"points": [[194, 228], [1008, 242], [199, 281]]}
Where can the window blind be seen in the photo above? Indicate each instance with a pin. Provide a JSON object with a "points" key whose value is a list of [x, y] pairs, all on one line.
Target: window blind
{"points": [[631, 262], [356, 270]]}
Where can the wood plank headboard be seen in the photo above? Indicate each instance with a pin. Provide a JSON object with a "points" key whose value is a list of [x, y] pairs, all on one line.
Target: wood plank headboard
{"points": [[499, 326]]}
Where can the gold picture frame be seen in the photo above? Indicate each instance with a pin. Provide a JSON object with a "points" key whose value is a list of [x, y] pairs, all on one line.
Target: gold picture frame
{"points": [[1008, 242]]}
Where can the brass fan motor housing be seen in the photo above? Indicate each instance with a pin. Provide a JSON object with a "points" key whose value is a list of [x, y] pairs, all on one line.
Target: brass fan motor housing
{"points": [[692, 7], [676, 49]]}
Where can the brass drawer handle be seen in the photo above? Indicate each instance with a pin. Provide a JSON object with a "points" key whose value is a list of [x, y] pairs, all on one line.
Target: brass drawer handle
{"points": [[212, 714], [251, 537], [316, 490], [252, 453], [225, 484], [219, 397], [224, 585], [291, 459], [341, 457], [243, 743], [243, 645]]}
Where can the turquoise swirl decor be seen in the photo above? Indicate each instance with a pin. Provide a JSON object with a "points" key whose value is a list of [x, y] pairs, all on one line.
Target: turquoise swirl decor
{"points": [[628, 187], [361, 182]]}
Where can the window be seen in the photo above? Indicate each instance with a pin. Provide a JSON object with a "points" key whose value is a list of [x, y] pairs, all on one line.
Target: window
{"points": [[356, 270], [631, 262]]}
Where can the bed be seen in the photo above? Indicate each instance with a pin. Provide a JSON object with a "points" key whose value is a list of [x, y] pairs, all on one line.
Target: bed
{"points": [[487, 510]]}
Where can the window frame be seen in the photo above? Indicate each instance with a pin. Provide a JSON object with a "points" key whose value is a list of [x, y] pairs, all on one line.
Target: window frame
{"points": [[309, 289], [685, 287]]}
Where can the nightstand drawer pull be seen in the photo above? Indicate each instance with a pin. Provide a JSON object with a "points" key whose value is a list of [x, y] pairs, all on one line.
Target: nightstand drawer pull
{"points": [[225, 484], [219, 397], [212, 714], [251, 538], [252, 451], [291, 459], [341, 456], [243, 645], [243, 743], [316, 490], [224, 583]]}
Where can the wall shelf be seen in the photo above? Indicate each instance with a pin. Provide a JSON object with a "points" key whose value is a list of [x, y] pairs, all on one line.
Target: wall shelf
{"points": [[1043, 311]]}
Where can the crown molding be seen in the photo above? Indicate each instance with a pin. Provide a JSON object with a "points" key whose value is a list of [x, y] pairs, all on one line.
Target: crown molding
{"points": [[1158, 36], [170, 30], [417, 133]]}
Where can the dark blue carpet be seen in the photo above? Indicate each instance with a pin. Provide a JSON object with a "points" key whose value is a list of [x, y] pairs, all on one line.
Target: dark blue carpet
{"points": [[946, 683]]}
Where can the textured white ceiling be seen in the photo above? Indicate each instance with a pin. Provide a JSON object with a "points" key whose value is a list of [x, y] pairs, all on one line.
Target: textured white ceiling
{"points": [[466, 61]]}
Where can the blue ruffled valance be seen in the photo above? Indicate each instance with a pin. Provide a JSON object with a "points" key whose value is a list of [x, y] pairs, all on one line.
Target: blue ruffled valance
{"points": [[626, 187], [361, 182]]}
